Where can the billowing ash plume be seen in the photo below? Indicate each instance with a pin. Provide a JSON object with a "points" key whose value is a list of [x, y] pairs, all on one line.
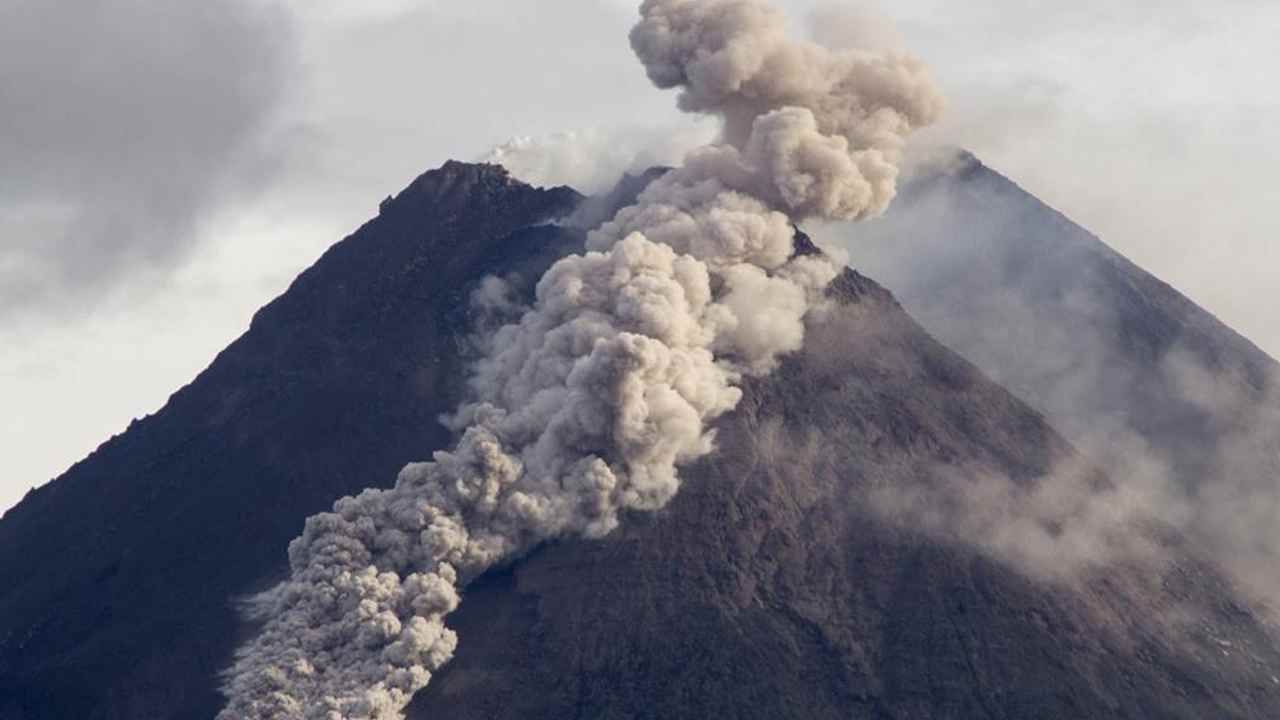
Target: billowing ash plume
{"points": [[588, 405]]}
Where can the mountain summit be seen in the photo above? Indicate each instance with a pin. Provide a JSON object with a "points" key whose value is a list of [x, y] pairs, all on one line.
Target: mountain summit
{"points": [[779, 583], [121, 577]]}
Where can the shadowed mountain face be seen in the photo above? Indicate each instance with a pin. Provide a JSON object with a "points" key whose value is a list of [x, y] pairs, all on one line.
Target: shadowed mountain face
{"points": [[117, 580], [770, 587]]}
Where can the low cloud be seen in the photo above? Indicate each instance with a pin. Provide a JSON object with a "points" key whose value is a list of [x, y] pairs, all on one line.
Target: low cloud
{"points": [[1176, 417], [1057, 527], [592, 161], [125, 124]]}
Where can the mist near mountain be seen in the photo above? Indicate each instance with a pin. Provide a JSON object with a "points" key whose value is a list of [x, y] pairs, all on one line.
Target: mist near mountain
{"points": [[772, 586], [592, 161], [1182, 411]]}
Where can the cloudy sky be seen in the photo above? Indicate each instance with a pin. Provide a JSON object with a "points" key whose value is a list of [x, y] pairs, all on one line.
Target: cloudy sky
{"points": [[167, 168]]}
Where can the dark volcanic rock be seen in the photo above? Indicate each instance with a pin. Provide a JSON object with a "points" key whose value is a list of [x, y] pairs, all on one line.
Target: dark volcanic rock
{"points": [[765, 590], [117, 580]]}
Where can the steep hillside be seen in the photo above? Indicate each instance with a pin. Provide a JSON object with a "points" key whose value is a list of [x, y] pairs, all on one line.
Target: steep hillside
{"points": [[118, 579]]}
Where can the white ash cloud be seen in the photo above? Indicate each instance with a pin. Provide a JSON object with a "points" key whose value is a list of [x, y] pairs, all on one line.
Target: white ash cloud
{"points": [[592, 160], [734, 58], [589, 404]]}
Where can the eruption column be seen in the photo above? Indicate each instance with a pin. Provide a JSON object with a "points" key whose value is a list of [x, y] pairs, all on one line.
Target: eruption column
{"points": [[607, 384]]}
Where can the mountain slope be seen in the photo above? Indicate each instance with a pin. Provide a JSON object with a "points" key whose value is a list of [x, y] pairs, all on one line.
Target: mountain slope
{"points": [[119, 577], [1121, 362], [773, 586]]}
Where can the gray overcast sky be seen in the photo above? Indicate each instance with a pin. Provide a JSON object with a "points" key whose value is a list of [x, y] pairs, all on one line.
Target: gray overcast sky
{"points": [[167, 168]]}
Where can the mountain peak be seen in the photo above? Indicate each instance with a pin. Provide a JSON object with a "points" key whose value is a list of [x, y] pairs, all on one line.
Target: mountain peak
{"points": [[947, 161], [457, 184]]}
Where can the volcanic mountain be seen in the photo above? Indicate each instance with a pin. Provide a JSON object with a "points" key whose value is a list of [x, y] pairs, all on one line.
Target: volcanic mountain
{"points": [[774, 585]]}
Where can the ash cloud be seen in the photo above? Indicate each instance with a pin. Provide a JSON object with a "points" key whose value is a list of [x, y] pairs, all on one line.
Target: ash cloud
{"points": [[593, 160], [855, 25], [1123, 502], [607, 384], [124, 124]]}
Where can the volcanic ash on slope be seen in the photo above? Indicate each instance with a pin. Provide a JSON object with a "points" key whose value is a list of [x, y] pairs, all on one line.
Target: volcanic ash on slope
{"points": [[589, 404]]}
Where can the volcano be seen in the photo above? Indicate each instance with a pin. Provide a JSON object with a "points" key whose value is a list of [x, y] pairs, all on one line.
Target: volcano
{"points": [[770, 587]]}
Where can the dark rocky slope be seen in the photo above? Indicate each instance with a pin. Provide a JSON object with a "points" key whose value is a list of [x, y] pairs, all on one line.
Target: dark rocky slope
{"points": [[765, 590], [117, 579]]}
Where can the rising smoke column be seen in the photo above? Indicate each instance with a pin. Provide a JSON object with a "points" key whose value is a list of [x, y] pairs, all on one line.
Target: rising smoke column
{"points": [[588, 405]]}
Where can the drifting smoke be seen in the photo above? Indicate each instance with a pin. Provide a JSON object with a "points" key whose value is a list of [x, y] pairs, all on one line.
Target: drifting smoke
{"points": [[1183, 416], [592, 161], [1058, 527], [587, 406]]}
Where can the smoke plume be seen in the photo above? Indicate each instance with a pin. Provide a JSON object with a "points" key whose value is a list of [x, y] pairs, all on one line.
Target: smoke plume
{"points": [[588, 405], [592, 161]]}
